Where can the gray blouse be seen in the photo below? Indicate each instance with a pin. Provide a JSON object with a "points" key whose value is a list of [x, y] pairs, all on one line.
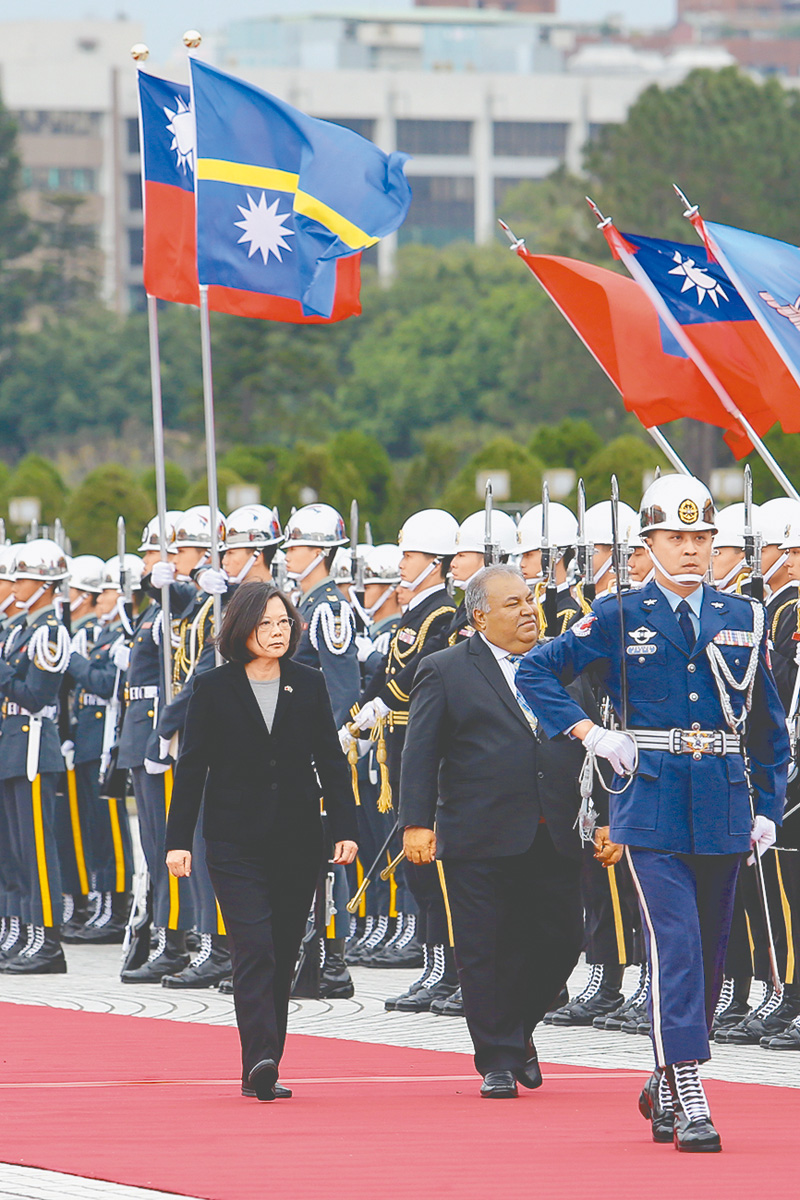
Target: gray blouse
{"points": [[266, 693]]}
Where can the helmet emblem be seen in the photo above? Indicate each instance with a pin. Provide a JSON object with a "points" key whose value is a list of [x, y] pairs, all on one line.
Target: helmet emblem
{"points": [[688, 512]]}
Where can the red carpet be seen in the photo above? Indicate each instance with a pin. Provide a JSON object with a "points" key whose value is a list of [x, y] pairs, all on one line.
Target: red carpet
{"points": [[92, 1095]]}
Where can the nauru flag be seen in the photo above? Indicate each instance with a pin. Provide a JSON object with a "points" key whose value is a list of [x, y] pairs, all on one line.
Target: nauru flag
{"points": [[167, 137]]}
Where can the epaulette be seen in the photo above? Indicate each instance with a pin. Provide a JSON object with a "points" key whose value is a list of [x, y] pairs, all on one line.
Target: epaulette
{"points": [[774, 626], [338, 627]]}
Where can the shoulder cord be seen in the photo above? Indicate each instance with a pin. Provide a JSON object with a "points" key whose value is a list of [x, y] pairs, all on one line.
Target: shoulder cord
{"points": [[155, 632], [584, 603], [39, 652], [337, 631], [722, 674], [80, 642], [778, 614], [419, 640], [10, 641]]}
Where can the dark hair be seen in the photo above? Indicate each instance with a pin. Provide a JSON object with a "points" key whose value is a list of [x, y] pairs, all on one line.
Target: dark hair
{"points": [[243, 613]]}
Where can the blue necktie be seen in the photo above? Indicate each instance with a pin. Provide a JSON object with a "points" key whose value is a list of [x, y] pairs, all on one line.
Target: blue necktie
{"points": [[685, 622], [530, 715]]}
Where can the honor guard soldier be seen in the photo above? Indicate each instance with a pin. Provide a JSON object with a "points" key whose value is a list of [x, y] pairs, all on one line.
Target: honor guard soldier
{"points": [[728, 562], [7, 604], [427, 542], [311, 539], [470, 557], [73, 815], [34, 659], [252, 537], [171, 903], [97, 709], [598, 532], [193, 630], [10, 885], [701, 722], [561, 536]]}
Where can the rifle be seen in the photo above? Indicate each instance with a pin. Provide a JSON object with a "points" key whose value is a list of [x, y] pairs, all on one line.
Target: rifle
{"points": [[65, 729], [616, 559], [585, 550], [113, 714], [488, 545], [550, 607], [752, 539]]}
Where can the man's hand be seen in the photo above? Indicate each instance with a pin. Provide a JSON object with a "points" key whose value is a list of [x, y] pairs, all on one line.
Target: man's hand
{"points": [[215, 583], [606, 852], [619, 748], [371, 713], [179, 863], [344, 853], [419, 844], [762, 836]]}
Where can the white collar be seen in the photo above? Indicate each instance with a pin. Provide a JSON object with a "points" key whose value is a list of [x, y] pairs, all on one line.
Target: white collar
{"points": [[497, 651], [423, 595]]}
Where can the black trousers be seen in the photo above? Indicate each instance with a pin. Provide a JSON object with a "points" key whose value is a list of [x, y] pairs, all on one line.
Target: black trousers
{"points": [[518, 929], [265, 894], [172, 906], [613, 923]]}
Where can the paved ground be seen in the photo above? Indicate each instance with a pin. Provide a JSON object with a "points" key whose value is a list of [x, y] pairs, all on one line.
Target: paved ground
{"points": [[93, 984]]}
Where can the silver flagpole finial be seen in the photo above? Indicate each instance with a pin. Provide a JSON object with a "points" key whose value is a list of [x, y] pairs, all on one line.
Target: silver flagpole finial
{"points": [[691, 209], [515, 241], [140, 52], [192, 39]]}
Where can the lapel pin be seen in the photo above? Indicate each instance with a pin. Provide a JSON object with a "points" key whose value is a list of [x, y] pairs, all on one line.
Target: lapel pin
{"points": [[717, 604], [288, 688]]}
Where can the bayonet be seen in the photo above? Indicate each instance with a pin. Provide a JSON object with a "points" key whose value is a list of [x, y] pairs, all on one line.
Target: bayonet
{"points": [[585, 548], [752, 539], [548, 567], [615, 551], [488, 547]]}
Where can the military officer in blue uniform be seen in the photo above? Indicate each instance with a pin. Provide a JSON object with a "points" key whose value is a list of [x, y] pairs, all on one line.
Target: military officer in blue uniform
{"points": [[12, 933], [34, 659], [703, 714], [144, 681], [328, 643]]}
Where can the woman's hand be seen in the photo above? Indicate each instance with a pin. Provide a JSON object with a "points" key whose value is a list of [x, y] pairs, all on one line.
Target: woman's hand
{"points": [[343, 853], [179, 863], [606, 852]]}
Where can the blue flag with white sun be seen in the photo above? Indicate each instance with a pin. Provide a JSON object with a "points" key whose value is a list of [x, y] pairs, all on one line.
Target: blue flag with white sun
{"points": [[281, 195]]}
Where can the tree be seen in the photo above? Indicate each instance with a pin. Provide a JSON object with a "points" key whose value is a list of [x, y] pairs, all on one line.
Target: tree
{"points": [[17, 235], [35, 476], [553, 218], [627, 457], [70, 262], [176, 481], [786, 449], [728, 140], [461, 497], [427, 475], [105, 495], [198, 492], [569, 444]]}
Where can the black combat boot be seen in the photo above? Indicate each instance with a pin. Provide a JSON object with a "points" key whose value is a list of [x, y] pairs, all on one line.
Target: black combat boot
{"points": [[210, 965], [442, 981], [428, 962], [406, 951], [86, 910], [448, 1006], [732, 1006], [108, 929], [693, 1131], [42, 954], [15, 940], [335, 982], [601, 996], [657, 1106], [169, 956], [634, 1008]]}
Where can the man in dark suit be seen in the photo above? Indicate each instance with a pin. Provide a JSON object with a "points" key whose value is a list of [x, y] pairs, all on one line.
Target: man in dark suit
{"points": [[487, 794]]}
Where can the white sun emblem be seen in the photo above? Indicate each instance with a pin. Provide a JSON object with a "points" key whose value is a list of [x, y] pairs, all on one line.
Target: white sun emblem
{"points": [[696, 277], [180, 123], [263, 228]]}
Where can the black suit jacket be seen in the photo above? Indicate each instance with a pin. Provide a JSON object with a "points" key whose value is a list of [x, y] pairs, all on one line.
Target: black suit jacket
{"points": [[256, 784], [473, 767]]}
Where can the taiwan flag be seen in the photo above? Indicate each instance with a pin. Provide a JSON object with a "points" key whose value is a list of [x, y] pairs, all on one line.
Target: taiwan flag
{"points": [[718, 322], [284, 201], [627, 339], [168, 154]]}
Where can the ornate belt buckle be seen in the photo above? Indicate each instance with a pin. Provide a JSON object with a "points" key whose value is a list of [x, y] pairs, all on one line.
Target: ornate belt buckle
{"points": [[698, 742]]}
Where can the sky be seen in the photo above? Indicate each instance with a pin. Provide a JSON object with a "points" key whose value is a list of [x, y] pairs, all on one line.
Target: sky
{"points": [[165, 20]]}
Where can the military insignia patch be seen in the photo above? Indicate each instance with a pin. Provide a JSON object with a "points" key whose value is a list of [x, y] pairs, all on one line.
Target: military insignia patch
{"points": [[583, 627], [642, 635], [735, 637], [640, 649], [688, 512], [717, 604], [406, 635], [467, 631], [650, 603]]}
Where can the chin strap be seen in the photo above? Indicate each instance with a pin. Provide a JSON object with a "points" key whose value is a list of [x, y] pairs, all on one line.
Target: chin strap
{"points": [[5, 603], [413, 584], [680, 577], [463, 586], [601, 571], [26, 604], [246, 569], [776, 566], [299, 576], [366, 612], [729, 577]]}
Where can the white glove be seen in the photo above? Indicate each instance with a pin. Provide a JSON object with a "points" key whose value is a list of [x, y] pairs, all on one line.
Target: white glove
{"points": [[762, 836], [619, 748], [163, 747], [346, 739], [155, 768], [213, 582], [371, 713], [121, 656], [364, 647], [162, 574], [68, 751]]}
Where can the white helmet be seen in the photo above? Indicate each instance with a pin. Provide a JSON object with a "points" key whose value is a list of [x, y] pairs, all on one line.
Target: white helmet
{"points": [[775, 516], [471, 534], [430, 531], [253, 526], [193, 528], [730, 526], [41, 559], [598, 523], [133, 565], [316, 525], [679, 503], [150, 534], [87, 573], [342, 569], [562, 532], [7, 556], [382, 563]]}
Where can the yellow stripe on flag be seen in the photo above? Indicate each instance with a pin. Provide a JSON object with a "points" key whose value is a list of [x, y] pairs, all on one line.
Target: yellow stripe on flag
{"points": [[350, 234]]}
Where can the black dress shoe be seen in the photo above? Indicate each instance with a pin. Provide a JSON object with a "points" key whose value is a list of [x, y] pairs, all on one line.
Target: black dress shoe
{"points": [[263, 1078], [280, 1092], [788, 1040], [530, 1076], [662, 1120], [696, 1137], [225, 987], [499, 1085]]}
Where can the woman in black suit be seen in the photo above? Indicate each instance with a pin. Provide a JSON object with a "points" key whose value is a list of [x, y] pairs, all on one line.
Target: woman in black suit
{"points": [[259, 748]]}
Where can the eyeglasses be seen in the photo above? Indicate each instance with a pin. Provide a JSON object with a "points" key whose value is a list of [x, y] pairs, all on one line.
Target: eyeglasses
{"points": [[284, 625]]}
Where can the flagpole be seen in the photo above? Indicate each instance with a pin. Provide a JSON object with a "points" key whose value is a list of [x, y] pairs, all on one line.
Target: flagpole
{"points": [[211, 453], [161, 489], [676, 329], [518, 245]]}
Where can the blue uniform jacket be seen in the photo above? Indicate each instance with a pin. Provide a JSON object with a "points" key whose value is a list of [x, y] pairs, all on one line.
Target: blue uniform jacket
{"points": [[96, 676], [332, 649], [145, 670], [32, 687], [675, 803]]}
